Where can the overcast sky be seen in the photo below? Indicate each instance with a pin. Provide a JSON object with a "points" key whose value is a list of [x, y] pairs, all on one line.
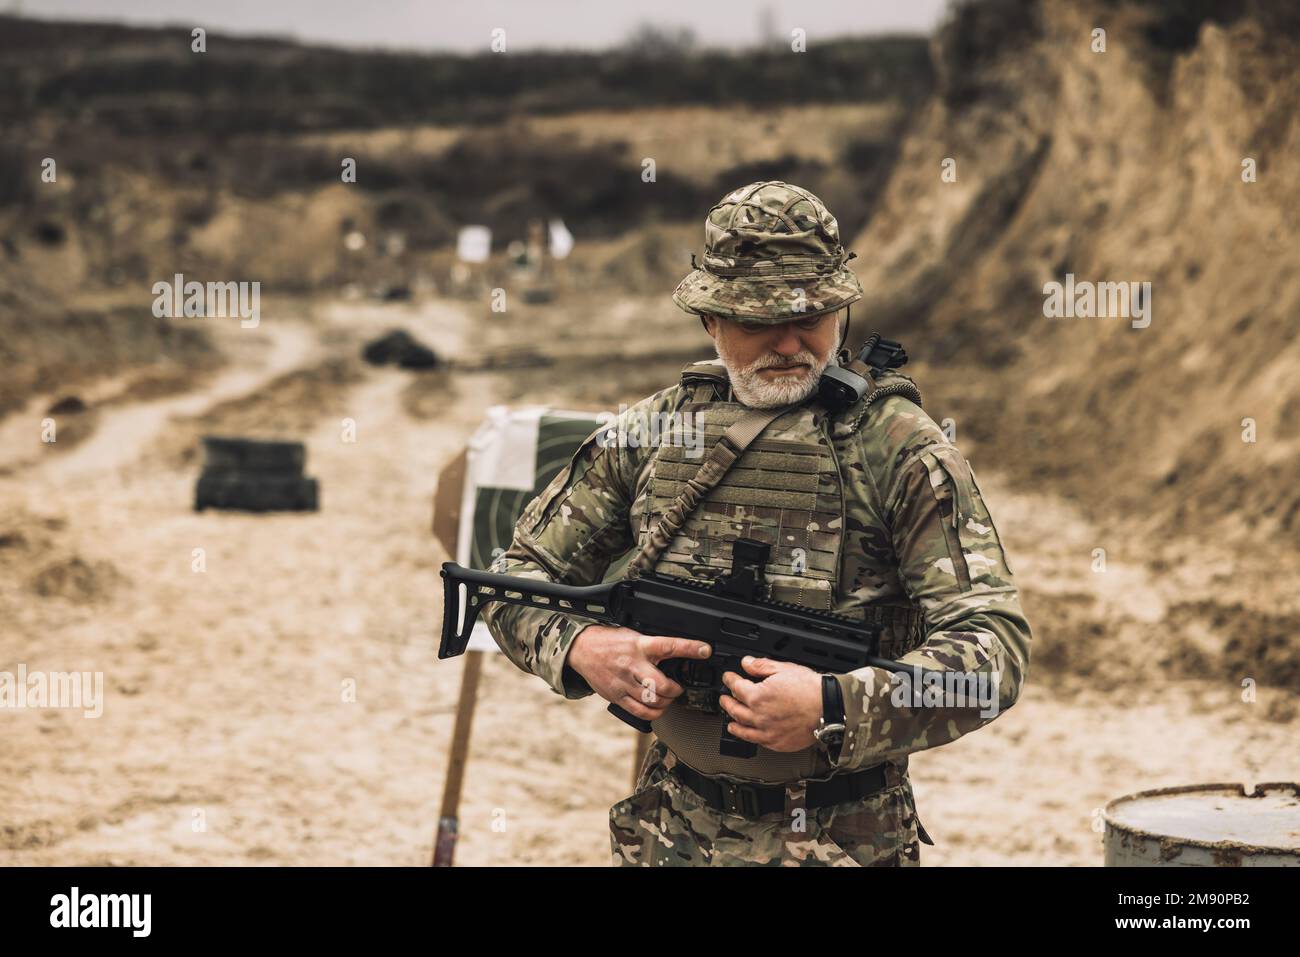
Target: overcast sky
{"points": [[466, 25]]}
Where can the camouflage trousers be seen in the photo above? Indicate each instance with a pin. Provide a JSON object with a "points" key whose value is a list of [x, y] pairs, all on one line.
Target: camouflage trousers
{"points": [[665, 824]]}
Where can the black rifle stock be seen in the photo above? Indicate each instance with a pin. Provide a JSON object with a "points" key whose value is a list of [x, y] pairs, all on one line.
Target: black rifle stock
{"points": [[727, 614]]}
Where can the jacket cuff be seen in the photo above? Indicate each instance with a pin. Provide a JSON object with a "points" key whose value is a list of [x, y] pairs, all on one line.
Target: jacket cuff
{"points": [[857, 690], [557, 644]]}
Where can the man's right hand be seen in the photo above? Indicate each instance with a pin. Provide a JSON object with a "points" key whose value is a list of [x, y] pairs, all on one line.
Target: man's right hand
{"points": [[620, 665]]}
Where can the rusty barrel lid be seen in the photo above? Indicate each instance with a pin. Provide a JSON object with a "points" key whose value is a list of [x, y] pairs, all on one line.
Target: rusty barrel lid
{"points": [[1208, 825]]}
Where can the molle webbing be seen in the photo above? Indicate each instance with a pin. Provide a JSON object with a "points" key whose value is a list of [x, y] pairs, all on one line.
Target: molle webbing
{"points": [[784, 490], [724, 453]]}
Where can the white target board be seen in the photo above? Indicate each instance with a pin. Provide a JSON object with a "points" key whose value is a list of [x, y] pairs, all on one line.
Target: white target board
{"points": [[513, 456]]}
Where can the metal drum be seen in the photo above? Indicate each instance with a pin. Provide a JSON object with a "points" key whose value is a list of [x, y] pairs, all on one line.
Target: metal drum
{"points": [[1205, 825]]}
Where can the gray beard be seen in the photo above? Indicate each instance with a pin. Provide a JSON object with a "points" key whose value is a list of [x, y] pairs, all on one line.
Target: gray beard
{"points": [[751, 390]]}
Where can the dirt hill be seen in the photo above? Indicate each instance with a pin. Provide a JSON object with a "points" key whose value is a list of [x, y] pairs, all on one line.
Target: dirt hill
{"points": [[1123, 165]]}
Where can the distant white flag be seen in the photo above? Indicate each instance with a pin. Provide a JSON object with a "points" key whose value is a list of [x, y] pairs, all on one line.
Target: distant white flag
{"points": [[473, 244], [561, 239]]}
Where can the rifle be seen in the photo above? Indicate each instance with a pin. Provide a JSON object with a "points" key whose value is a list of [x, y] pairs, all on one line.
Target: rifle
{"points": [[729, 614]]}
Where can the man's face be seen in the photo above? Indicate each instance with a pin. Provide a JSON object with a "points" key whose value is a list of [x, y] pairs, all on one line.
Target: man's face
{"points": [[775, 365]]}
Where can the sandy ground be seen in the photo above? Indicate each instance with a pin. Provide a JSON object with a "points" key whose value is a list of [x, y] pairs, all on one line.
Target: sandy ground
{"points": [[230, 734]]}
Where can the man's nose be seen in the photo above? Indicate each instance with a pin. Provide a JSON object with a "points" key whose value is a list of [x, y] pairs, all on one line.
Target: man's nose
{"points": [[787, 342]]}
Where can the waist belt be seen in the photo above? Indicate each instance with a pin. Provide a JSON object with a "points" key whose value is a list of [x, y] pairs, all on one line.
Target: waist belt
{"points": [[755, 800]]}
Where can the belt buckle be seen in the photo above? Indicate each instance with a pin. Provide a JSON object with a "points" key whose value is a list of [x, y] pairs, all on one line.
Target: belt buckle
{"points": [[725, 441], [739, 799]]}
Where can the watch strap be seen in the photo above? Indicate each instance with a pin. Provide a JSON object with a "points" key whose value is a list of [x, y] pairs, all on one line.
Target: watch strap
{"points": [[830, 729]]}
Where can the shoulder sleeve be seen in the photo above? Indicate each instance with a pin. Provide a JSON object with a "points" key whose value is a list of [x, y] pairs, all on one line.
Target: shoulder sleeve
{"points": [[570, 533], [952, 564]]}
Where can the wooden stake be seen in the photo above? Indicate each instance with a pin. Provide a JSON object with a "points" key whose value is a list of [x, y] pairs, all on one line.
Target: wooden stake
{"points": [[444, 845]]}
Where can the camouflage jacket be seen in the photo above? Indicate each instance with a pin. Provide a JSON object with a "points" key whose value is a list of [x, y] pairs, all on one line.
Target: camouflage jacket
{"points": [[915, 531]]}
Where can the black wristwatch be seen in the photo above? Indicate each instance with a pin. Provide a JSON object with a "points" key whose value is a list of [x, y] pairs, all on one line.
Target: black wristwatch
{"points": [[830, 728]]}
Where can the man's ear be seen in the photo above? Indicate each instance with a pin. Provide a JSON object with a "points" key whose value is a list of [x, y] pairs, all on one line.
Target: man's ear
{"points": [[710, 324]]}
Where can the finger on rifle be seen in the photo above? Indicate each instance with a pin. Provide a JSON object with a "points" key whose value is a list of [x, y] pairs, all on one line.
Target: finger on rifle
{"points": [[659, 647], [762, 667], [634, 705], [741, 688], [738, 711], [664, 687]]}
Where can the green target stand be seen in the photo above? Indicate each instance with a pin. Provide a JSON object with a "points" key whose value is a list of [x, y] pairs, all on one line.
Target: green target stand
{"points": [[512, 456]]}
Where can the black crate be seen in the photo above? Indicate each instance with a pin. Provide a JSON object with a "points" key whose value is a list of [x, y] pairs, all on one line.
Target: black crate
{"points": [[256, 492], [252, 455]]}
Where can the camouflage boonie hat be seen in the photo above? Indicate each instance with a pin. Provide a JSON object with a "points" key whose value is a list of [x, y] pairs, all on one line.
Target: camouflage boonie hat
{"points": [[772, 253]]}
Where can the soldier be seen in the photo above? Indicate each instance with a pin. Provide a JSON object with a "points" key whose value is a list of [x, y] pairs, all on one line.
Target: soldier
{"points": [[870, 513]]}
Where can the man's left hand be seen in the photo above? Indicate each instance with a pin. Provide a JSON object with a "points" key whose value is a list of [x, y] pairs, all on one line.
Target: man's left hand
{"points": [[780, 711]]}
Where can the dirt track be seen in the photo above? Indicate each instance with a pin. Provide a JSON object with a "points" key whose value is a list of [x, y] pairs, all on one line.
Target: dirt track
{"points": [[225, 688]]}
